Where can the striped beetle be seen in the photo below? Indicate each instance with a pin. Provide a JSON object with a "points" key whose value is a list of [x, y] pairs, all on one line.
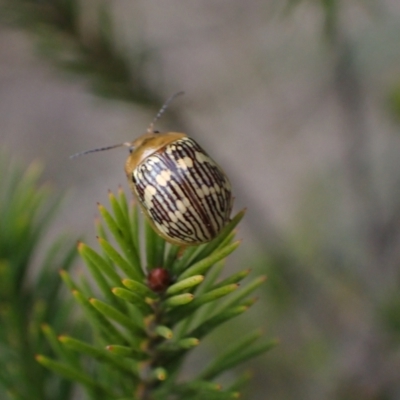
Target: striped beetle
{"points": [[183, 192]]}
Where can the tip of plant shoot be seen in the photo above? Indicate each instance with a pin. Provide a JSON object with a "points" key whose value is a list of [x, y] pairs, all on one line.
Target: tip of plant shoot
{"points": [[161, 376], [144, 346]]}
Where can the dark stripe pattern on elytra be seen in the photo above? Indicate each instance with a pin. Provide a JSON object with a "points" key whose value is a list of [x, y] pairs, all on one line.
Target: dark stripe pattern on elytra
{"points": [[185, 193]]}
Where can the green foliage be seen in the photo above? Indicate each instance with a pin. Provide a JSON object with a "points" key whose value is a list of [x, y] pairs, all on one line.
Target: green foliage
{"points": [[141, 337], [29, 299]]}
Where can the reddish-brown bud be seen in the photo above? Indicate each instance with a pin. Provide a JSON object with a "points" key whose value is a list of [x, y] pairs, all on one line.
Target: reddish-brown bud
{"points": [[158, 280]]}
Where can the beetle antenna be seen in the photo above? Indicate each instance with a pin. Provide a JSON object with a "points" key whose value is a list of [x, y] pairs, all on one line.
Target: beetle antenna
{"points": [[128, 144], [150, 129]]}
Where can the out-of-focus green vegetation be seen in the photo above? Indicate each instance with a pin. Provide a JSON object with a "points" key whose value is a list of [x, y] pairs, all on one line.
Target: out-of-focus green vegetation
{"points": [[30, 287]]}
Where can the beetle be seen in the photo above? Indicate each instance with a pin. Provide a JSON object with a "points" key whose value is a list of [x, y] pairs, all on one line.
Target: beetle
{"points": [[183, 192]]}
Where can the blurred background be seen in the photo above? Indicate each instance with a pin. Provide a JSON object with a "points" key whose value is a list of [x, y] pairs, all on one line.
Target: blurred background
{"points": [[299, 102]]}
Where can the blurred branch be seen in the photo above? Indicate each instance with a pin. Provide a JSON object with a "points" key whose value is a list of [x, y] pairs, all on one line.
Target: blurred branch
{"points": [[114, 71], [346, 286], [380, 232], [57, 23]]}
